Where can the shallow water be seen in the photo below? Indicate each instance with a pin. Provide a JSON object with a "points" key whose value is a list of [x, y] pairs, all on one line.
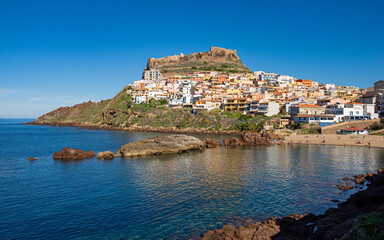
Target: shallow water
{"points": [[159, 197]]}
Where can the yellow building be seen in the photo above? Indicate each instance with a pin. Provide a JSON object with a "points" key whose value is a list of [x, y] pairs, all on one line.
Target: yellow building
{"points": [[233, 91], [235, 104]]}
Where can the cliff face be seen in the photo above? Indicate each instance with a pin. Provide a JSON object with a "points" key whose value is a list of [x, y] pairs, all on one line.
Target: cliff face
{"points": [[217, 59]]}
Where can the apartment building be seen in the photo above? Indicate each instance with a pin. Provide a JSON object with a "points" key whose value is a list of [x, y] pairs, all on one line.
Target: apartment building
{"points": [[152, 75]]}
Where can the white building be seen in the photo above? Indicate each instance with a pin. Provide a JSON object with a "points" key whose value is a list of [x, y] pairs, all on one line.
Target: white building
{"points": [[266, 108], [353, 131], [140, 99], [152, 75], [285, 79], [269, 108], [351, 111], [322, 120]]}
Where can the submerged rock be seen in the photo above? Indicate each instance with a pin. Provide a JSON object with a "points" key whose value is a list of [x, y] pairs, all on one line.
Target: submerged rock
{"points": [[105, 155], [360, 180], [72, 154], [161, 145], [344, 187]]}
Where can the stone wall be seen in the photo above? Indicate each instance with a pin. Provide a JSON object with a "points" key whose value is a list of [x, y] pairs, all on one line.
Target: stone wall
{"points": [[332, 129], [184, 63]]}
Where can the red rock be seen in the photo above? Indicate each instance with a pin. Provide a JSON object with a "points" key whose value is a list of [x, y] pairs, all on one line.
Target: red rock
{"points": [[32, 159], [236, 141], [72, 154], [209, 143], [344, 187], [359, 180]]}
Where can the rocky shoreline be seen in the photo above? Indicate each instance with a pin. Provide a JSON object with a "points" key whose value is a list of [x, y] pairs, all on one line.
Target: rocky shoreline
{"points": [[137, 129], [359, 217]]}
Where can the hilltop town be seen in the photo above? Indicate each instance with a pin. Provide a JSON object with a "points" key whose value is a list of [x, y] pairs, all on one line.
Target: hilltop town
{"points": [[252, 93], [215, 92]]}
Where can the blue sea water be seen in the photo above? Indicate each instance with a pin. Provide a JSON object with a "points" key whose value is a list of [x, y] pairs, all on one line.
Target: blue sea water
{"points": [[159, 197]]}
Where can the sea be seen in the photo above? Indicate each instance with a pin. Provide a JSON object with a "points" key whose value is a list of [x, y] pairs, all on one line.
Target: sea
{"points": [[160, 197]]}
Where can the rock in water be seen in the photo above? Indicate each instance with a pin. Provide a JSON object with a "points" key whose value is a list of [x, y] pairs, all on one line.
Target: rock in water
{"points": [[105, 155], [32, 159], [209, 143], [161, 145], [72, 154]]}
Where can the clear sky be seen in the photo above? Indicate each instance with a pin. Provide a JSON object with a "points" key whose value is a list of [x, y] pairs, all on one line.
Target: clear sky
{"points": [[58, 53]]}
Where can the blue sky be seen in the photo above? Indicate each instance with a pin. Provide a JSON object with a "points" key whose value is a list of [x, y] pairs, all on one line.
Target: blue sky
{"points": [[58, 53]]}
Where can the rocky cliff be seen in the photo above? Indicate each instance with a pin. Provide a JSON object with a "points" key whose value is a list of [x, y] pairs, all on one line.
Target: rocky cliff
{"points": [[217, 59]]}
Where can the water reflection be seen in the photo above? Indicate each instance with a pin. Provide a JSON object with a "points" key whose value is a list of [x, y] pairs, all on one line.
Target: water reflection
{"points": [[160, 197]]}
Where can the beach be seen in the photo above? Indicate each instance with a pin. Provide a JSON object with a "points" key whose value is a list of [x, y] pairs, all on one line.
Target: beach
{"points": [[335, 139]]}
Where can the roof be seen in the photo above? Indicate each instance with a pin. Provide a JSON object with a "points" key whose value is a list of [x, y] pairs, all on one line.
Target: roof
{"points": [[353, 129], [237, 98], [314, 116], [308, 105]]}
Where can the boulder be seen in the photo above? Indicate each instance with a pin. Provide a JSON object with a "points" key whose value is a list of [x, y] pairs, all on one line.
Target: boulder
{"points": [[105, 155], [161, 145], [248, 137], [236, 141], [209, 143], [72, 154], [344, 187], [32, 159], [359, 180]]}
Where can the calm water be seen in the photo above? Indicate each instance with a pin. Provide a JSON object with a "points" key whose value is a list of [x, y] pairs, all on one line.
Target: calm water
{"points": [[161, 197]]}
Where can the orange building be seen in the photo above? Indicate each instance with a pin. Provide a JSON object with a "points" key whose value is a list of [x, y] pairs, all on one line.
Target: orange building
{"points": [[306, 82]]}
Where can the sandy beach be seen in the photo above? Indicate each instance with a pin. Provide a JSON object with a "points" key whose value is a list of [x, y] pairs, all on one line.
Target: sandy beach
{"points": [[335, 139]]}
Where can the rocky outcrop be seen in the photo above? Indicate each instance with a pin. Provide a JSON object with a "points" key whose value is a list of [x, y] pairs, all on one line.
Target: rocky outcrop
{"points": [[287, 227], [161, 145], [72, 154], [105, 155], [252, 138], [216, 57], [32, 159], [360, 217], [209, 143], [344, 187]]}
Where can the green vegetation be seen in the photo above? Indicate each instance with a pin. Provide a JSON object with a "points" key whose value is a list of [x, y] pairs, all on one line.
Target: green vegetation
{"points": [[234, 67], [368, 226], [120, 111], [232, 114], [248, 123], [376, 126], [311, 128], [377, 133]]}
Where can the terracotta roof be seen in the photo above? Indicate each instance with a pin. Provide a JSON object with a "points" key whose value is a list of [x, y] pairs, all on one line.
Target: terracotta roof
{"points": [[353, 129], [237, 98], [308, 105]]}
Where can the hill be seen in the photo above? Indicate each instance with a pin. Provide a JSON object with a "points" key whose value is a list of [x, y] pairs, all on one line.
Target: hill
{"points": [[217, 59], [121, 112]]}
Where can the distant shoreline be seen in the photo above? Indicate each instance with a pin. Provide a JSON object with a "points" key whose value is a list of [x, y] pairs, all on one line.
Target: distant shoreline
{"points": [[139, 129], [305, 139]]}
